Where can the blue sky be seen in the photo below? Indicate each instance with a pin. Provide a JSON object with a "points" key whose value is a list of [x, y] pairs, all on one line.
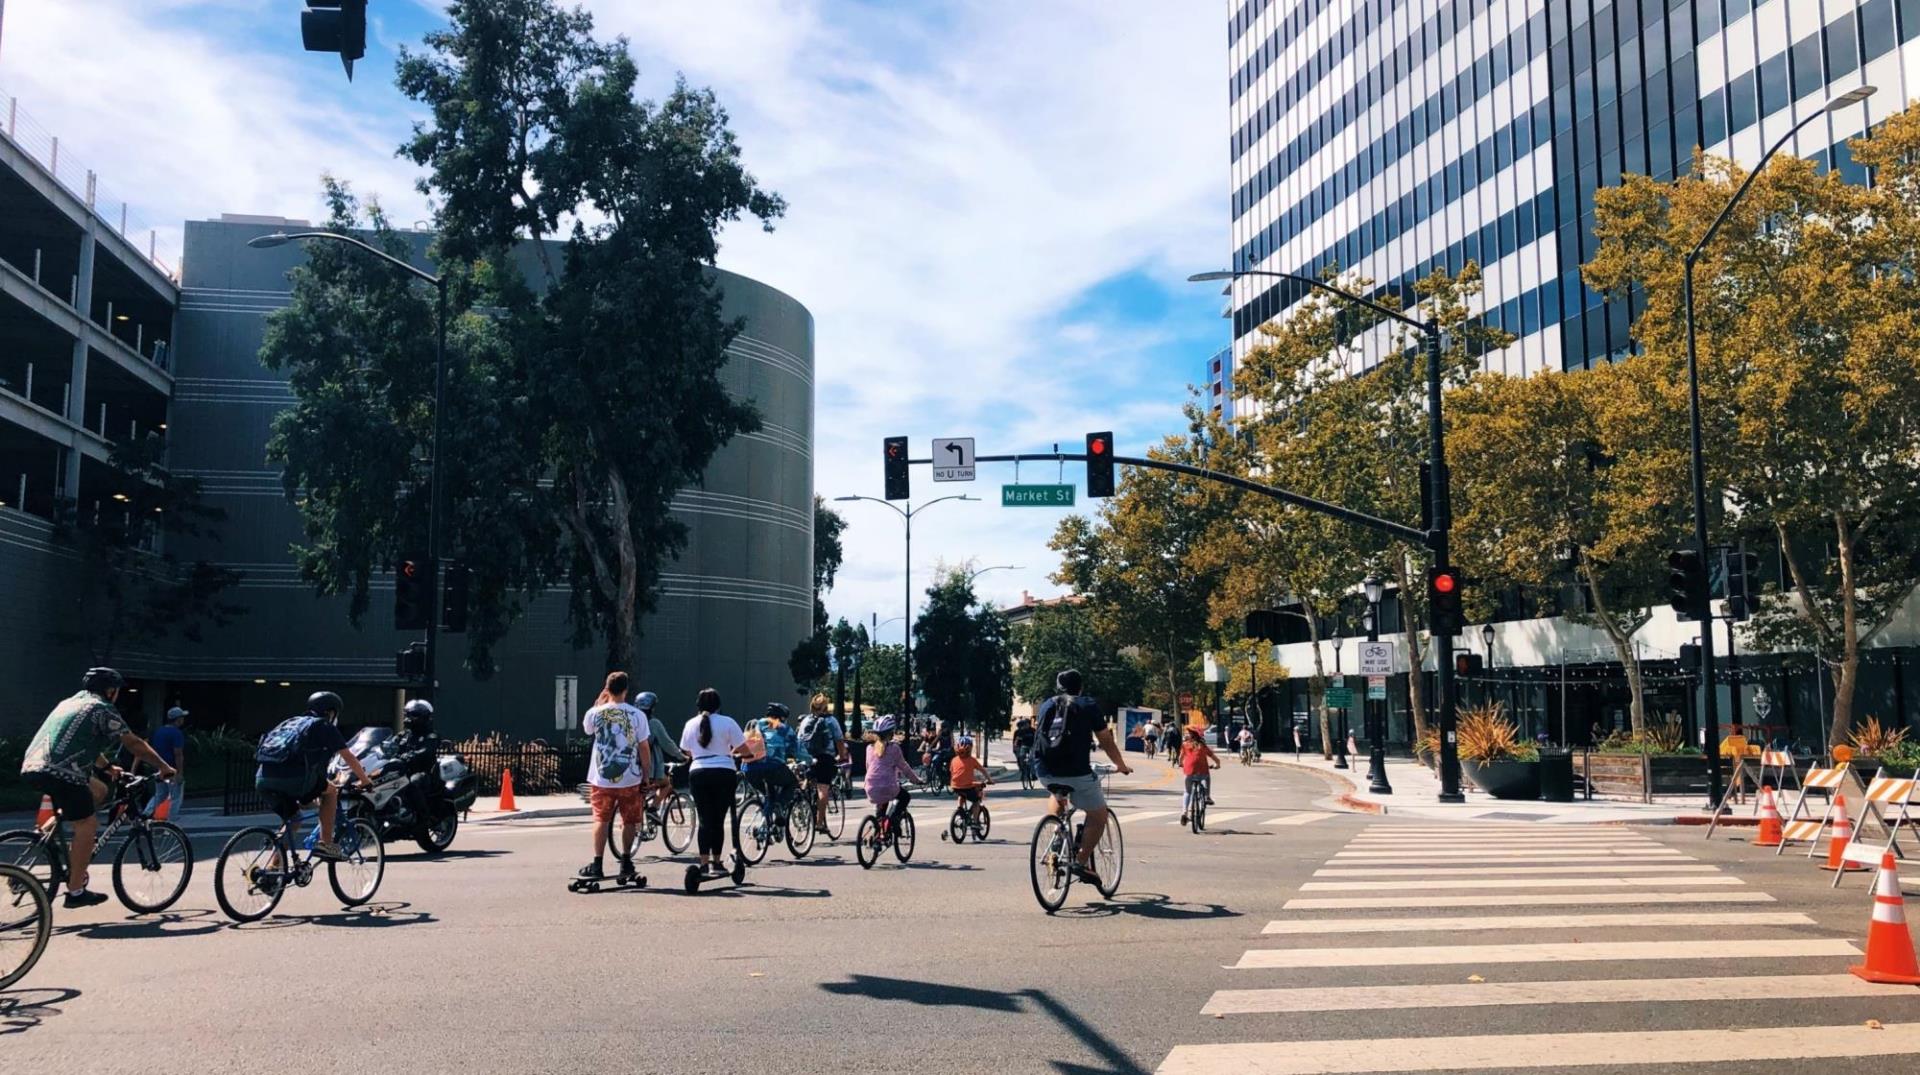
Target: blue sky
{"points": [[994, 203]]}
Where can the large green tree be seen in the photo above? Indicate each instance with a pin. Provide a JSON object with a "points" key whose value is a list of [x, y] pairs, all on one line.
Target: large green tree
{"points": [[1808, 327], [1067, 635], [584, 396], [811, 658], [960, 653]]}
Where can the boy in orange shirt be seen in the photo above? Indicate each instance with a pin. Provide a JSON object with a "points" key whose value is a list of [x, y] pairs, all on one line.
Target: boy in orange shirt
{"points": [[965, 775]]}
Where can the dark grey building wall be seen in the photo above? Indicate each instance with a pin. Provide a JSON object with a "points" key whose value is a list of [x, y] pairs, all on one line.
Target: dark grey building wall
{"points": [[733, 605]]}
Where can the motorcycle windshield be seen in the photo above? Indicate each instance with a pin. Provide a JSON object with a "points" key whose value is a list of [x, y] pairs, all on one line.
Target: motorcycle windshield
{"points": [[369, 741]]}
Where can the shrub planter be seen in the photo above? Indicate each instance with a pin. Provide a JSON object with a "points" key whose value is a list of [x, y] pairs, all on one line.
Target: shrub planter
{"points": [[1642, 776], [1505, 779]]}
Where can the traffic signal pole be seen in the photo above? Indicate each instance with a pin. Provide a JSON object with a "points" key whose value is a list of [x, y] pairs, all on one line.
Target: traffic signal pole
{"points": [[1439, 542], [435, 486]]}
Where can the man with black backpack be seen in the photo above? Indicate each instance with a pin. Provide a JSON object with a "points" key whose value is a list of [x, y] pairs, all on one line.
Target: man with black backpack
{"points": [[826, 743], [293, 761], [1070, 723]]}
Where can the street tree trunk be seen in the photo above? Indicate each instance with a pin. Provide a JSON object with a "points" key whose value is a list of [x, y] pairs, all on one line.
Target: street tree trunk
{"points": [[1317, 687], [1622, 641], [1849, 670], [1416, 654]]}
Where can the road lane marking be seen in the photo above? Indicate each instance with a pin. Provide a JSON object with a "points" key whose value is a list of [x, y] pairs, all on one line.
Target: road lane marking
{"points": [[1546, 921], [1517, 882], [1611, 1048], [1489, 845], [1488, 954], [1493, 994], [1145, 815], [1298, 819], [1597, 852], [1535, 899], [1216, 819], [1504, 868]]}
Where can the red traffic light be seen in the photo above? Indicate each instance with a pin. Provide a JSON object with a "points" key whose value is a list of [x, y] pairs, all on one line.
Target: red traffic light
{"points": [[893, 450], [1445, 583], [409, 568], [1097, 446]]}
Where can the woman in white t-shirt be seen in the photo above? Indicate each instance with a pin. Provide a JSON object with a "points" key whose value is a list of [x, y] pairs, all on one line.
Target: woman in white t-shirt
{"points": [[713, 740]]}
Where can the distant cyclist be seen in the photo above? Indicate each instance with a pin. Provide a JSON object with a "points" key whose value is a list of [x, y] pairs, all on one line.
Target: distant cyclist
{"points": [[826, 742], [1245, 742], [887, 769], [967, 777], [1023, 740], [1070, 723], [1197, 762], [293, 761], [66, 759], [665, 751], [769, 772]]}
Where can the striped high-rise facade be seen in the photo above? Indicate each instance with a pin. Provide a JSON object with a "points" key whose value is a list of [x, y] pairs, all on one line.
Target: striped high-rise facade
{"points": [[1389, 137]]}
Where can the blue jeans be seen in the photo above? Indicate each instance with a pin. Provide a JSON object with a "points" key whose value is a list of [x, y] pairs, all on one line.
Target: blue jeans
{"points": [[170, 792]]}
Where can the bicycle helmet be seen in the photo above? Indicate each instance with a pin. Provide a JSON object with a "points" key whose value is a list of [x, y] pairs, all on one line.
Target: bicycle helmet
{"points": [[964, 741], [777, 711], [101, 680], [645, 701], [885, 726], [418, 716], [323, 703]]}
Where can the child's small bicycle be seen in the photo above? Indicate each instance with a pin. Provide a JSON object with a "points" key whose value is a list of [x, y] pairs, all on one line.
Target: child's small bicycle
{"points": [[969, 819], [878, 832]]}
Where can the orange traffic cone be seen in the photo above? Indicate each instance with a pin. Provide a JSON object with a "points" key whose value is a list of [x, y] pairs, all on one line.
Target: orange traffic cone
{"points": [[46, 812], [1842, 836], [506, 790], [1889, 945], [1770, 832]]}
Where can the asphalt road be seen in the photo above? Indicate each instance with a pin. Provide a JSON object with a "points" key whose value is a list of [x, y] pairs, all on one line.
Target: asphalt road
{"points": [[481, 960]]}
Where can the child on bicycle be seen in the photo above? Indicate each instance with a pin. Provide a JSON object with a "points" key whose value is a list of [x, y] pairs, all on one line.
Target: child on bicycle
{"points": [[965, 775], [887, 770], [1197, 760]]}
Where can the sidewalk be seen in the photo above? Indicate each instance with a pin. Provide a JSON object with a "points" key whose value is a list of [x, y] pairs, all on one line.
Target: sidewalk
{"points": [[1416, 793]]}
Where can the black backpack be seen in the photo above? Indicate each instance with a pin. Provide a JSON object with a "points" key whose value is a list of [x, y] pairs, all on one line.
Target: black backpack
{"points": [[1053, 725], [819, 736]]}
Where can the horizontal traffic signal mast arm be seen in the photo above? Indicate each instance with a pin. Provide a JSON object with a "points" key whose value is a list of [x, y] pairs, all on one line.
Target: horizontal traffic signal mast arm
{"points": [[1357, 518]]}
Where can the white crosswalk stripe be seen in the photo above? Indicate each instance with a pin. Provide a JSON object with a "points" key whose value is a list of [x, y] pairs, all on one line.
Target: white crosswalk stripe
{"points": [[1299, 819], [1597, 900]]}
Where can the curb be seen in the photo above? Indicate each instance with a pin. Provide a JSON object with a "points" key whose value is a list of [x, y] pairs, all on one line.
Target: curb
{"points": [[1344, 799], [528, 815]]}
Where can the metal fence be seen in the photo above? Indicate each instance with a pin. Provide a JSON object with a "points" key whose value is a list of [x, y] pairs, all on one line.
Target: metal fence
{"points": [[537, 769]]}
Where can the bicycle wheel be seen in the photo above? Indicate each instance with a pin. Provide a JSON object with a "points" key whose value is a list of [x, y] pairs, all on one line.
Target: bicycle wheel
{"points": [[903, 840], [26, 922], [676, 823], [756, 830], [357, 877], [866, 843], [957, 826], [982, 822], [836, 817], [1049, 864], [1197, 817], [1109, 857], [800, 828], [246, 881], [152, 867], [37, 855]]}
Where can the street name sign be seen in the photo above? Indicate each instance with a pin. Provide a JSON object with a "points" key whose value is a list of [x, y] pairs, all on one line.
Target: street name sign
{"points": [[1036, 496], [1376, 658], [953, 459], [1339, 697]]}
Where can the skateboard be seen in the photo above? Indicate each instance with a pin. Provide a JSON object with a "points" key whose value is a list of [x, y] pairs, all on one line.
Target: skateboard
{"points": [[628, 877]]}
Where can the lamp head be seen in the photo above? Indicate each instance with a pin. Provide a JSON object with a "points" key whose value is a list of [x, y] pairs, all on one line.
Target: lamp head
{"points": [[1851, 97], [261, 242], [1486, 634], [1375, 589], [1216, 274]]}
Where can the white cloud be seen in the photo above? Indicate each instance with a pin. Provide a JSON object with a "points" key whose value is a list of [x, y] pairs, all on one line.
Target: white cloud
{"points": [[959, 175]]}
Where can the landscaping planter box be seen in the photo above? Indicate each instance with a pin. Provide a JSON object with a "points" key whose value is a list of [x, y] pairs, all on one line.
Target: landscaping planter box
{"points": [[1504, 779], [1642, 776]]}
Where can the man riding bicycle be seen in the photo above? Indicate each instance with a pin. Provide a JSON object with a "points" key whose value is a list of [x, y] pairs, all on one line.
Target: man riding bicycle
{"points": [[1245, 742], [666, 753], [827, 742], [1023, 738], [66, 758], [769, 772], [293, 761], [1070, 723]]}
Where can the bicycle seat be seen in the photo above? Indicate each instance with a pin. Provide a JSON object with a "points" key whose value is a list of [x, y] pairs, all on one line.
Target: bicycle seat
{"points": [[1060, 789]]}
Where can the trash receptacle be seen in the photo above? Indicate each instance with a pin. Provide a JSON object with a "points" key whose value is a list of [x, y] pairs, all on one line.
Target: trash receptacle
{"points": [[1556, 776]]}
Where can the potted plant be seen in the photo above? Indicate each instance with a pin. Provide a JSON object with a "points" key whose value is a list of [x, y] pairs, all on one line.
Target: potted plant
{"points": [[1878, 750], [1493, 755], [1655, 761]]}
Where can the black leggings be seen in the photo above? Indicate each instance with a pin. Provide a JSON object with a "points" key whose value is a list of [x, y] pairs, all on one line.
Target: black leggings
{"points": [[712, 798]]}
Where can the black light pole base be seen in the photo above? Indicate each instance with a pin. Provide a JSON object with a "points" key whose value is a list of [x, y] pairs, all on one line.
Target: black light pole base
{"points": [[1340, 753], [1377, 771]]}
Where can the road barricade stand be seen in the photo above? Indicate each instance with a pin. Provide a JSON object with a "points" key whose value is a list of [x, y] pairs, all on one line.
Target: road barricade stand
{"points": [[1800, 822], [1889, 802]]}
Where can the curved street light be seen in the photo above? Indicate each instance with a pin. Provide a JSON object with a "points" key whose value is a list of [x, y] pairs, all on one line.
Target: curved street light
{"points": [[906, 516]]}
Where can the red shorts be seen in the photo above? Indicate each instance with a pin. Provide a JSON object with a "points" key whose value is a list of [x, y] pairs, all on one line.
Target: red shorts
{"points": [[630, 802]]}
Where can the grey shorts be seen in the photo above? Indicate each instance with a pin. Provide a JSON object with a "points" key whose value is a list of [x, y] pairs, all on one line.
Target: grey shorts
{"points": [[1083, 790]]}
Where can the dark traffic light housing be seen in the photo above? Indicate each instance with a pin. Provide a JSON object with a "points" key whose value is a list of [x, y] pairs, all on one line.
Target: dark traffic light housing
{"points": [[453, 599], [1687, 584], [1468, 664], [1443, 601], [413, 594], [1099, 464], [338, 26], [1743, 574], [898, 488], [411, 663]]}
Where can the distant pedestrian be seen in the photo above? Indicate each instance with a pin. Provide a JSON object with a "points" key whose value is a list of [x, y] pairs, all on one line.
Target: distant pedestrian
{"points": [[170, 742], [713, 740]]}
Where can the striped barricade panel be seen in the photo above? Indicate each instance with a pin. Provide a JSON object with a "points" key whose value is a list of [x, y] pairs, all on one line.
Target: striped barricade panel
{"points": [[1890, 789], [1802, 830], [1826, 778], [1776, 759]]}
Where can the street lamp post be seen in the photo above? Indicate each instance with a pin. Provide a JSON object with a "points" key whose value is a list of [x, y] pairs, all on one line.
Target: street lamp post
{"points": [[1439, 534], [906, 515], [435, 480], [1486, 685], [1709, 704], [1376, 727], [1340, 741]]}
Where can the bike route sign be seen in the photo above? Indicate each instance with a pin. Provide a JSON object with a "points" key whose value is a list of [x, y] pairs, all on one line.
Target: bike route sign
{"points": [[1036, 496]]}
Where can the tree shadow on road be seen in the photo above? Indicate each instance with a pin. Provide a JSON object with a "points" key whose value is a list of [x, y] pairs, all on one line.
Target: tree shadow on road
{"points": [[380, 915], [448, 855], [186, 922], [1149, 905], [936, 864], [937, 995], [726, 890], [23, 1009]]}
